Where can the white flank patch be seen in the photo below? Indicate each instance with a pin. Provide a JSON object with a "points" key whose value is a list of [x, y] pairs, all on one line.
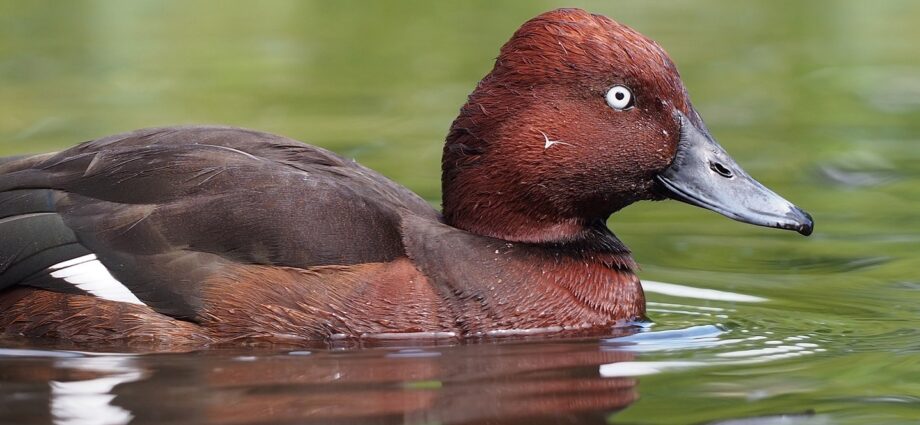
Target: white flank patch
{"points": [[73, 262], [90, 275]]}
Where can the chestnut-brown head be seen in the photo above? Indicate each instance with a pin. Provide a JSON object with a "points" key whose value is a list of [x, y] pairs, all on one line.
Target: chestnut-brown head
{"points": [[579, 117]]}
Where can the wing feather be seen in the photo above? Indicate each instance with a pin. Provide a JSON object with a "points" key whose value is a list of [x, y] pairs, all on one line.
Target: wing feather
{"points": [[162, 209]]}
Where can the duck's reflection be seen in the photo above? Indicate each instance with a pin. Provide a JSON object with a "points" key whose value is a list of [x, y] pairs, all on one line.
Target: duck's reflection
{"points": [[85, 397], [457, 385], [480, 383]]}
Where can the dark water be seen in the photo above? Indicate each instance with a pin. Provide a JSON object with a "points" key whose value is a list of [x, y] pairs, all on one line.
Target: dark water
{"points": [[818, 100]]}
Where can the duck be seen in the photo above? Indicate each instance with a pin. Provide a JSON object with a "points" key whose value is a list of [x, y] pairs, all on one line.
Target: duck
{"points": [[211, 234]]}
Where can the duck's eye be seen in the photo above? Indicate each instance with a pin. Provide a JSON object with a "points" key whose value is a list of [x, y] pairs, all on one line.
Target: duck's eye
{"points": [[619, 98]]}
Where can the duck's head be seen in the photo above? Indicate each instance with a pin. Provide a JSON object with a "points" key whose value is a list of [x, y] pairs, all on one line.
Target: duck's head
{"points": [[580, 117]]}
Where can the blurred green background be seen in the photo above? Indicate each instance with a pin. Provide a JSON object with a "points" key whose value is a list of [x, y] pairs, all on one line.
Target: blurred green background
{"points": [[819, 100]]}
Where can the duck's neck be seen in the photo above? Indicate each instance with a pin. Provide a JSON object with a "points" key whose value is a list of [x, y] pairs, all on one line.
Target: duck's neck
{"points": [[491, 284], [504, 219]]}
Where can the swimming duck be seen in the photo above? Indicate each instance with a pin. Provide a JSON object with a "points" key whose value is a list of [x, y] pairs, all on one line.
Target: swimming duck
{"points": [[217, 234]]}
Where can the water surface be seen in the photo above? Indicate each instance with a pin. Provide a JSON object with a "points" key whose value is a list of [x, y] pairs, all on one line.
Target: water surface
{"points": [[818, 100]]}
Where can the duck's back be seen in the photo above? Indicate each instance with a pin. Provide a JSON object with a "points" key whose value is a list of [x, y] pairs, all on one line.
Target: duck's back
{"points": [[159, 210]]}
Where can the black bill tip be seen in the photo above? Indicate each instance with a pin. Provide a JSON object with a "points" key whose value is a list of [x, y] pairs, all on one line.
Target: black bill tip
{"points": [[806, 224]]}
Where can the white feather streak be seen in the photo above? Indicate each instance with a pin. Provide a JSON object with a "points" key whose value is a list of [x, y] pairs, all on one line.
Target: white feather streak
{"points": [[90, 275]]}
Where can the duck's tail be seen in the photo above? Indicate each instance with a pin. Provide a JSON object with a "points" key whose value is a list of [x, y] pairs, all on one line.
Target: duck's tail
{"points": [[14, 163], [33, 237], [5, 159]]}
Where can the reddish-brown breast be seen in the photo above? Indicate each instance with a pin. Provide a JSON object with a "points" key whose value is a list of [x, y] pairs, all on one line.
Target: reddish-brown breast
{"points": [[507, 294]]}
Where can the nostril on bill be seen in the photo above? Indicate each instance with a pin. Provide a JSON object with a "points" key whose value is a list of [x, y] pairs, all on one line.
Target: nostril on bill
{"points": [[721, 170]]}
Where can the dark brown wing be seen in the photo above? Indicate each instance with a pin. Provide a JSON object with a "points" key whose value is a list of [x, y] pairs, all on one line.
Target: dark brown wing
{"points": [[162, 209]]}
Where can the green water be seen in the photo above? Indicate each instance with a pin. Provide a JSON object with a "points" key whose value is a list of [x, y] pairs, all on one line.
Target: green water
{"points": [[818, 100]]}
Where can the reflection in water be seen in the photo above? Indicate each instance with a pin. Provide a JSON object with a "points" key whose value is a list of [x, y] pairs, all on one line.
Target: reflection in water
{"points": [[724, 346], [692, 338], [571, 381], [88, 400], [698, 338], [462, 384], [509, 382], [496, 380]]}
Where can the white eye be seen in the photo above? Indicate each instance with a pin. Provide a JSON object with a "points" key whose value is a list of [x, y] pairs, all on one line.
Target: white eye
{"points": [[619, 98]]}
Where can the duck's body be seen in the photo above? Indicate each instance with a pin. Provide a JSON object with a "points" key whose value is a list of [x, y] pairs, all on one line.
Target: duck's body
{"points": [[182, 229], [213, 234]]}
